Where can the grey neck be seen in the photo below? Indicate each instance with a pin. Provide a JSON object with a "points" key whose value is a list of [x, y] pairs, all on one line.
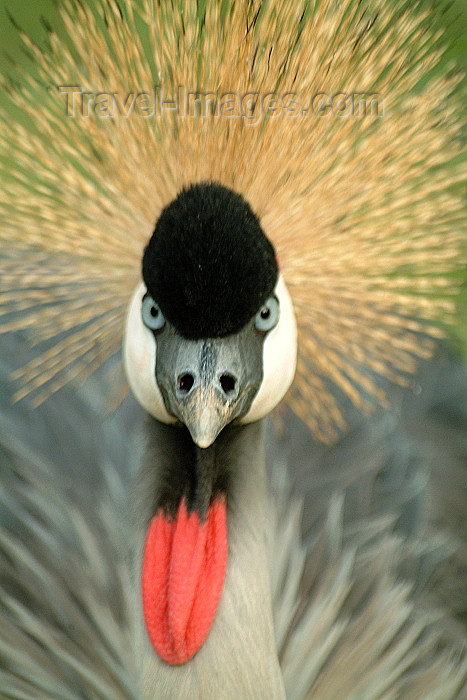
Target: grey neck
{"points": [[238, 658]]}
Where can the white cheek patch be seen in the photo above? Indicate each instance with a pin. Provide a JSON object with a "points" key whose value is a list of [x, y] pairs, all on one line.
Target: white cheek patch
{"points": [[139, 349], [279, 358]]}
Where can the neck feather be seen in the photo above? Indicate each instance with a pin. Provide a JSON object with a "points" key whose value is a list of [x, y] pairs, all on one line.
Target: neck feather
{"points": [[238, 658]]}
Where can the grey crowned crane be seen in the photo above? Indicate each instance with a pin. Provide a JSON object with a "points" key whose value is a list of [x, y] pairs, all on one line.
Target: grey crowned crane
{"points": [[246, 563], [211, 344], [202, 583]]}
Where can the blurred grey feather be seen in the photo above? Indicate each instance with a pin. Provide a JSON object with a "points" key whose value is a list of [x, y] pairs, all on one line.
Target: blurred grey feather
{"points": [[367, 544]]}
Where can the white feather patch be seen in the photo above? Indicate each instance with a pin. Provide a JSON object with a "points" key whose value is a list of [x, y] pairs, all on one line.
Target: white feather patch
{"points": [[139, 349], [279, 358]]}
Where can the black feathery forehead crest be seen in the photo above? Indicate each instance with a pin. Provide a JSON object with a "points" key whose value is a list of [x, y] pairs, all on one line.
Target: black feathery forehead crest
{"points": [[208, 264]]}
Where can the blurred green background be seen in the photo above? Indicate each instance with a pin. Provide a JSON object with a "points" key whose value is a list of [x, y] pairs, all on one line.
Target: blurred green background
{"points": [[34, 16]]}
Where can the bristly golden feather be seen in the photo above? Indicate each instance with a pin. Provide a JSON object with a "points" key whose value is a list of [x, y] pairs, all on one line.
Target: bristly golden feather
{"points": [[364, 212]]}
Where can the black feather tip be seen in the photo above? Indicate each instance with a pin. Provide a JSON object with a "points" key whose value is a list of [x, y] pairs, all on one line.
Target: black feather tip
{"points": [[208, 264]]}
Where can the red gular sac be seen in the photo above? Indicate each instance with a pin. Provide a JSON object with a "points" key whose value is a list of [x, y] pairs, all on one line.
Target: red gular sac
{"points": [[184, 566]]}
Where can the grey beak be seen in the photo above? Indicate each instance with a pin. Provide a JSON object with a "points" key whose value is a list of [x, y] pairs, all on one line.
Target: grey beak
{"points": [[206, 384], [205, 412]]}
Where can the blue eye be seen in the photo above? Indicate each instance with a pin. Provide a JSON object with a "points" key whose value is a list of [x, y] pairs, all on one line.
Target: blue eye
{"points": [[151, 314], [268, 316]]}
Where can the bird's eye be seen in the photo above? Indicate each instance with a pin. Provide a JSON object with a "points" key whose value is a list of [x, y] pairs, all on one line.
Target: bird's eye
{"points": [[152, 315], [268, 316]]}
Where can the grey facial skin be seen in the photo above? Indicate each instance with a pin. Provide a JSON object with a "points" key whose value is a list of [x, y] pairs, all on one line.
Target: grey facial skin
{"points": [[208, 383]]}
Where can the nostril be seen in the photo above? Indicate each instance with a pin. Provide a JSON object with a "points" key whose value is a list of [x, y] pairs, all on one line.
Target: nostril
{"points": [[185, 383], [227, 383]]}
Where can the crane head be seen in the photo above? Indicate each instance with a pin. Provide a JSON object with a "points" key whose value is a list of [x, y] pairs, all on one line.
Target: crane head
{"points": [[211, 335]]}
